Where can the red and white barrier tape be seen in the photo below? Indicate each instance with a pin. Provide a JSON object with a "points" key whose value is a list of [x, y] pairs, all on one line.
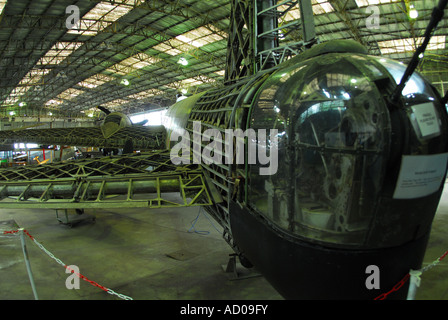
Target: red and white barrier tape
{"points": [[110, 291], [406, 277]]}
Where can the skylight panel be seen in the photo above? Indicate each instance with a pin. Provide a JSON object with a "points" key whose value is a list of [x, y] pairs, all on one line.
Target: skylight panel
{"points": [[11, 100], [115, 103], [164, 47], [140, 60], [58, 52], [292, 14], [200, 36], [70, 94], [66, 46], [87, 85], [318, 7], [365, 3], [2, 5], [14, 96], [89, 27], [145, 94], [133, 63], [321, 6], [34, 76], [101, 10], [18, 91], [141, 64], [102, 16], [190, 40], [190, 82], [177, 46], [46, 60], [95, 81], [407, 44], [119, 69]]}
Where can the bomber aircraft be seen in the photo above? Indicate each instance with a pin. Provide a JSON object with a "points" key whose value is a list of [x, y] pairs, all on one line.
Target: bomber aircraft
{"points": [[363, 146]]}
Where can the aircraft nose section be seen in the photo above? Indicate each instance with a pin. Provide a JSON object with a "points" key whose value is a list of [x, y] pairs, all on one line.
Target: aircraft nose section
{"points": [[108, 129], [113, 122], [345, 154]]}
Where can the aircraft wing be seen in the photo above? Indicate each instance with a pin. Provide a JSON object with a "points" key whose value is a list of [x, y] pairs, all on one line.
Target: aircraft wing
{"points": [[132, 180], [149, 137]]}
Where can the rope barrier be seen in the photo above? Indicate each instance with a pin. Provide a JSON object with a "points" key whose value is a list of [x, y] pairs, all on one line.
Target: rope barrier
{"points": [[411, 274], [109, 291], [383, 296]]}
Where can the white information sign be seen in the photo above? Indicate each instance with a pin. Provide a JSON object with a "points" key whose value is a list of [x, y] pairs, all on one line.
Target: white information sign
{"points": [[426, 117], [420, 175]]}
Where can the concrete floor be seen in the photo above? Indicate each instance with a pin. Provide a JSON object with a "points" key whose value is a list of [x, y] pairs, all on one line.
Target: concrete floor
{"points": [[151, 255]]}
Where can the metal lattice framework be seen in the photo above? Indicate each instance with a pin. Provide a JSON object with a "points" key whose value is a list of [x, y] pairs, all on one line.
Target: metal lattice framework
{"points": [[137, 180], [65, 70], [141, 137]]}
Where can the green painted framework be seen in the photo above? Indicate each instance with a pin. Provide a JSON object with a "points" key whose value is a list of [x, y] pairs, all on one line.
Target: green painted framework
{"points": [[136, 180]]}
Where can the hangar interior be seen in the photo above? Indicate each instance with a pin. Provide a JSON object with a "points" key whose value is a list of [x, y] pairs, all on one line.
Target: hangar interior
{"points": [[136, 57]]}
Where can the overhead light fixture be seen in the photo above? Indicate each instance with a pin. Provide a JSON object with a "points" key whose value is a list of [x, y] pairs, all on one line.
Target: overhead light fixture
{"points": [[50, 113], [125, 82], [413, 13], [183, 61], [11, 113]]}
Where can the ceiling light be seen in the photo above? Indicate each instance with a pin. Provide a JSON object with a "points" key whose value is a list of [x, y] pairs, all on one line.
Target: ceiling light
{"points": [[183, 61], [413, 13], [11, 113], [125, 82], [54, 102]]}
